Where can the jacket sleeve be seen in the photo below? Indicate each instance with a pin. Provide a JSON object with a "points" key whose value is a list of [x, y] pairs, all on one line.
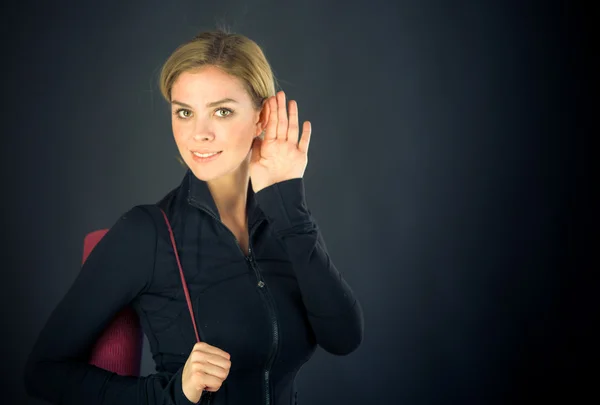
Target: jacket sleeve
{"points": [[333, 311], [118, 269]]}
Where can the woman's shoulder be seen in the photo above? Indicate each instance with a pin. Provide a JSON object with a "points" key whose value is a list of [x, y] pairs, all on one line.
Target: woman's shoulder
{"points": [[135, 221], [145, 218], [141, 215]]}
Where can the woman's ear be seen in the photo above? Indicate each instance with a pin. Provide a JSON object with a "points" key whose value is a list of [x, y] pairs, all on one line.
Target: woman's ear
{"points": [[263, 117]]}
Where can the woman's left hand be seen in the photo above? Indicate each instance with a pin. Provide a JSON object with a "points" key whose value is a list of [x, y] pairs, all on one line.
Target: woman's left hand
{"points": [[279, 156]]}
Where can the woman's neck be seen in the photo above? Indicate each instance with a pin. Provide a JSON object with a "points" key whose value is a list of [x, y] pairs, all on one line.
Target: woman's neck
{"points": [[230, 194]]}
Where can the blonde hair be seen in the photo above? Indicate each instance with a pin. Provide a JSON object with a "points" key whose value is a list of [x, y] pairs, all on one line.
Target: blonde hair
{"points": [[234, 54]]}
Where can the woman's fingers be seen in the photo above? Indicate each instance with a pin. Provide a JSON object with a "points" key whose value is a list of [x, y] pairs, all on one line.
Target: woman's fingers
{"points": [[211, 383], [293, 131], [306, 134], [282, 118], [271, 129], [283, 123], [210, 369], [206, 368], [205, 347], [215, 359]]}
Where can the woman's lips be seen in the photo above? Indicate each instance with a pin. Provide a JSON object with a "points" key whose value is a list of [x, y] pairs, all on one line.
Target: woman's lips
{"points": [[205, 157]]}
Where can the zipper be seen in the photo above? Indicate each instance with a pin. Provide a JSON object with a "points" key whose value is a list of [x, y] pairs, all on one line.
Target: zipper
{"points": [[268, 300], [274, 327], [229, 230]]}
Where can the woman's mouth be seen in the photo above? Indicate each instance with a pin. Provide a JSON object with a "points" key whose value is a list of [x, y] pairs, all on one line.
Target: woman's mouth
{"points": [[206, 157]]}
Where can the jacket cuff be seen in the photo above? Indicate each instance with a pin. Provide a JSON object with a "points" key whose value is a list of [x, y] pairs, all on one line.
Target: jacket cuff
{"points": [[284, 204]]}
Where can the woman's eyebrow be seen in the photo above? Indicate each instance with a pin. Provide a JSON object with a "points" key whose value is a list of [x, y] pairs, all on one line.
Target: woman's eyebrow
{"points": [[212, 104], [225, 100]]}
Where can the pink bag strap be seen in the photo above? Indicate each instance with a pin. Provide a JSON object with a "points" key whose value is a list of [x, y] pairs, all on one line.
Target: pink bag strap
{"points": [[185, 289]]}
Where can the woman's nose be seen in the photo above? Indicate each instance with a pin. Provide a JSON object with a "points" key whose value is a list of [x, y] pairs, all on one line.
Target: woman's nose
{"points": [[203, 132], [204, 136]]}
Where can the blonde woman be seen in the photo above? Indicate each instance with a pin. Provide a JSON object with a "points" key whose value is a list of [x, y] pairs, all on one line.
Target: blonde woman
{"points": [[263, 287]]}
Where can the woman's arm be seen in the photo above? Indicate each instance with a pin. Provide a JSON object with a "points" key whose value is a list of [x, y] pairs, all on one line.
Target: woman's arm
{"points": [[118, 269], [334, 312]]}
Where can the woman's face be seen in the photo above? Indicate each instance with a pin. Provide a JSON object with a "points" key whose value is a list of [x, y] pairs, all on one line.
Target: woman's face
{"points": [[214, 122]]}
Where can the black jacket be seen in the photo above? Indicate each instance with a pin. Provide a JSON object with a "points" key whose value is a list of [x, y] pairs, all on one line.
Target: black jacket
{"points": [[268, 308]]}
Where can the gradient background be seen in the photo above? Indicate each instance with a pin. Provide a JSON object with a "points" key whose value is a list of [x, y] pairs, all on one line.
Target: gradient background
{"points": [[447, 170]]}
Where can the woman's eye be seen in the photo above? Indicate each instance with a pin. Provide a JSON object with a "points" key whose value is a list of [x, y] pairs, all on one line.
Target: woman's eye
{"points": [[183, 113], [223, 112]]}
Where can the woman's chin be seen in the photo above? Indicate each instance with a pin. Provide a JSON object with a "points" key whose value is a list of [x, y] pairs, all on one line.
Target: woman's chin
{"points": [[214, 172], [204, 175]]}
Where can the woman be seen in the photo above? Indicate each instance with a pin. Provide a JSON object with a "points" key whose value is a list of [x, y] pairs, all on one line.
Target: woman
{"points": [[264, 290]]}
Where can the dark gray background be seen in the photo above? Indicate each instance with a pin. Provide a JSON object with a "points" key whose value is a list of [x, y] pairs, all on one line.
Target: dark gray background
{"points": [[447, 171]]}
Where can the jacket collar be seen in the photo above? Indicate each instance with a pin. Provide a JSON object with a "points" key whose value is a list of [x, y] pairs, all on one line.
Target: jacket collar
{"points": [[199, 196]]}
